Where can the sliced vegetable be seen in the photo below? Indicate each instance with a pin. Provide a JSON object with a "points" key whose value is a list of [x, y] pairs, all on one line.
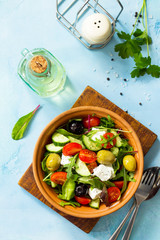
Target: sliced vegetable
{"points": [[70, 149], [59, 139], [115, 151], [95, 203], [53, 148], [113, 194], [83, 200], [91, 166], [59, 177], [111, 143], [81, 168], [72, 203], [72, 139], [118, 139], [90, 144], [87, 156], [119, 184], [91, 122]]}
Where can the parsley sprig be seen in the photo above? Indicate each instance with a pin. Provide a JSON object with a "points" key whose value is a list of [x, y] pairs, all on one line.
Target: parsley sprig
{"points": [[131, 47]]}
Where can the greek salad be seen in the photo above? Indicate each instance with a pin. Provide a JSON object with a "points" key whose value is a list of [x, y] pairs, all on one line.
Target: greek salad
{"points": [[89, 162]]}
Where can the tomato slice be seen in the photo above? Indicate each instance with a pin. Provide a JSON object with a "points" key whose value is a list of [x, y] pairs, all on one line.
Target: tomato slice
{"points": [[87, 156], [59, 177], [109, 145], [113, 194], [93, 122], [91, 166], [82, 200], [71, 149], [119, 184]]}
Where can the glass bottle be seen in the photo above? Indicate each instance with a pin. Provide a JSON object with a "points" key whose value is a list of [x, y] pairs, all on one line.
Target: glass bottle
{"points": [[42, 72]]}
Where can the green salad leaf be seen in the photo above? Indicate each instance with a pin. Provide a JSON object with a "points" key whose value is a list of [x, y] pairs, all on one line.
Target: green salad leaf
{"points": [[21, 125], [72, 203], [107, 122]]}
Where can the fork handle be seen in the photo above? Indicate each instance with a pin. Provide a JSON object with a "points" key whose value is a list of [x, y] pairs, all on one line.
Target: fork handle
{"points": [[118, 230], [128, 231]]}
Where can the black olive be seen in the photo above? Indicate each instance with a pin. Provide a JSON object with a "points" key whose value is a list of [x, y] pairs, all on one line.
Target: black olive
{"points": [[81, 189], [75, 127]]}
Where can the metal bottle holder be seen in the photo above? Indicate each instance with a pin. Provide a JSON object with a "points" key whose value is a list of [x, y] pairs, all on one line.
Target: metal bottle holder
{"points": [[65, 15]]}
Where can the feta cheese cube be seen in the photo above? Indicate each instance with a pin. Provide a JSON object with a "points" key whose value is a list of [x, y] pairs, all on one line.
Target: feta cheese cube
{"points": [[65, 159], [94, 193], [104, 172]]}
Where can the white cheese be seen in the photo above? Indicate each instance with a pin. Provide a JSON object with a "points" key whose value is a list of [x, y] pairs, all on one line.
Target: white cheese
{"points": [[65, 159], [98, 135], [94, 193], [104, 172]]}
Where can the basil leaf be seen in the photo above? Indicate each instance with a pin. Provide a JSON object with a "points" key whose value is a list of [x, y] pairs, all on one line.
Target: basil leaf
{"points": [[21, 125]]}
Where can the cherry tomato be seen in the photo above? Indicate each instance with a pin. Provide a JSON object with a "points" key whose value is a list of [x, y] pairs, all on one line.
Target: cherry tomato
{"points": [[119, 184], [59, 177], [82, 200], [113, 194], [94, 121], [109, 145], [71, 149], [87, 156], [91, 166]]}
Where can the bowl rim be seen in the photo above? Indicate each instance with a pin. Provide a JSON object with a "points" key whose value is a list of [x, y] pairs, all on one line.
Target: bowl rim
{"points": [[98, 213]]}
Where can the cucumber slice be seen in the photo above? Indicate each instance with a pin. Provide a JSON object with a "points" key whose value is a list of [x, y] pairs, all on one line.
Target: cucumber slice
{"points": [[90, 144], [76, 141], [53, 185], [115, 151], [52, 148], [95, 203], [118, 139], [81, 168], [59, 139]]}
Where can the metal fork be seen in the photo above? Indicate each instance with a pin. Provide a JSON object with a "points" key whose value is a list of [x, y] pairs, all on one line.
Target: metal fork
{"points": [[154, 171], [148, 179]]}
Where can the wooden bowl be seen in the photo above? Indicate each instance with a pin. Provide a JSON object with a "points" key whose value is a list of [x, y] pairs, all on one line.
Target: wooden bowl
{"points": [[45, 138]]}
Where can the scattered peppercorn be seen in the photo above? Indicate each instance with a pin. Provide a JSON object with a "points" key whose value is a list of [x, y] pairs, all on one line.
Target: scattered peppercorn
{"points": [[126, 111], [121, 93], [140, 104], [136, 14], [125, 79], [140, 15], [139, 21], [133, 25], [108, 79], [112, 59]]}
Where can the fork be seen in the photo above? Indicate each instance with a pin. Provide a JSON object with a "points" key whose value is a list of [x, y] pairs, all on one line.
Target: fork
{"points": [[147, 172], [148, 179]]}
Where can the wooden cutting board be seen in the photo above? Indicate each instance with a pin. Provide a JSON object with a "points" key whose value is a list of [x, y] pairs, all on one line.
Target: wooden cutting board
{"points": [[90, 97]]}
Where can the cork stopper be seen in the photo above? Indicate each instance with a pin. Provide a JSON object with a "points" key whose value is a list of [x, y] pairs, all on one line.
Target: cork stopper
{"points": [[38, 64]]}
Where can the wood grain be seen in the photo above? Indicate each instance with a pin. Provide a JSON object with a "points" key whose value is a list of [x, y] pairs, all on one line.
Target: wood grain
{"points": [[90, 97]]}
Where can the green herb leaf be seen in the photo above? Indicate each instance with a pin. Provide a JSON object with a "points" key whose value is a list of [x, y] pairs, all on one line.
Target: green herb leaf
{"points": [[154, 71], [69, 167], [142, 37], [128, 48], [73, 204], [142, 62], [21, 125], [95, 182]]}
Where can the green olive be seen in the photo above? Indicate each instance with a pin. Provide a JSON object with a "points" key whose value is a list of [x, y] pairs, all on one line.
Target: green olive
{"points": [[129, 163], [105, 157], [53, 162]]}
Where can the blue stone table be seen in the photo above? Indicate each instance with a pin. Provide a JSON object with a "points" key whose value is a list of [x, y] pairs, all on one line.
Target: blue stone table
{"points": [[31, 24]]}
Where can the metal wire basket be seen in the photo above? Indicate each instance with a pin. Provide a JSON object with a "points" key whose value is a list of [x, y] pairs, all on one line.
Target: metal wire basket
{"points": [[70, 14]]}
